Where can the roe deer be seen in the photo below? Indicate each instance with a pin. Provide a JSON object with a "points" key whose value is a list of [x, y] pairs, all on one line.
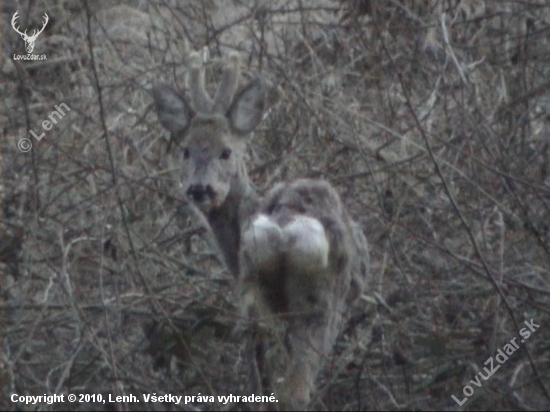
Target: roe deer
{"points": [[299, 258], [213, 171], [304, 259]]}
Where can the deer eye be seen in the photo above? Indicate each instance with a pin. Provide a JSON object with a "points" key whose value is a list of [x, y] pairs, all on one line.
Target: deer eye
{"points": [[226, 154], [186, 153]]}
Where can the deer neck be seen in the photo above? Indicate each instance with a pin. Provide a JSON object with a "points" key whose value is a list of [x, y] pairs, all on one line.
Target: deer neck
{"points": [[227, 221]]}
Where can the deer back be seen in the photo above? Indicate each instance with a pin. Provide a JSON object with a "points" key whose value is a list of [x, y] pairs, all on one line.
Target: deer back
{"points": [[305, 261]]}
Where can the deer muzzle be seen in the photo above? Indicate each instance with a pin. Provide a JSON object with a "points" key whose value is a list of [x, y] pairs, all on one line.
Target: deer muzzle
{"points": [[201, 193]]}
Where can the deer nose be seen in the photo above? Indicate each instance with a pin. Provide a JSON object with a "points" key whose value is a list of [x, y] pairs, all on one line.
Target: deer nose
{"points": [[199, 192]]}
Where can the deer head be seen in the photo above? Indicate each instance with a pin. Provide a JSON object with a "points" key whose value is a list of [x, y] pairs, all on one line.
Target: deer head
{"points": [[211, 133], [29, 40]]}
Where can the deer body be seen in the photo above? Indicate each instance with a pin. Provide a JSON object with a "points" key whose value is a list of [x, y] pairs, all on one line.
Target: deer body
{"points": [[304, 259], [226, 223], [298, 256]]}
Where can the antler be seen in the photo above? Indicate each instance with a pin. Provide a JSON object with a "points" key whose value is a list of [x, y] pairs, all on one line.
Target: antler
{"points": [[199, 95], [228, 85], [227, 88], [15, 16], [36, 33]]}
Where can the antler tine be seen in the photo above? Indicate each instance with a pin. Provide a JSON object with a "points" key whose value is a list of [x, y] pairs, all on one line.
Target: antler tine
{"points": [[36, 32], [199, 96], [228, 85], [13, 23]]}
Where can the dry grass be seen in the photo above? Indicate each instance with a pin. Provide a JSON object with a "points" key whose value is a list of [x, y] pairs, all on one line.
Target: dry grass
{"points": [[431, 117]]}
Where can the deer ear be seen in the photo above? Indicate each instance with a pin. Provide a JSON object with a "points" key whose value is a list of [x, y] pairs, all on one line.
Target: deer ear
{"points": [[172, 109], [247, 109]]}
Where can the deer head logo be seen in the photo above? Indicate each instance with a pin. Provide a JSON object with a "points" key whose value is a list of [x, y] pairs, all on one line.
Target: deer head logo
{"points": [[29, 40]]}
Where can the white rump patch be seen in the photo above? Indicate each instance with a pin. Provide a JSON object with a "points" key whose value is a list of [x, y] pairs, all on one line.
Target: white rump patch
{"points": [[308, 247], [303, 239], [262, 241]]}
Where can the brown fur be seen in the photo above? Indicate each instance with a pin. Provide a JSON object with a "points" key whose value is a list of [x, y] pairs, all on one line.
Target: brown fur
{"points": [[312, 303], [204, 137], [299, 258]]}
